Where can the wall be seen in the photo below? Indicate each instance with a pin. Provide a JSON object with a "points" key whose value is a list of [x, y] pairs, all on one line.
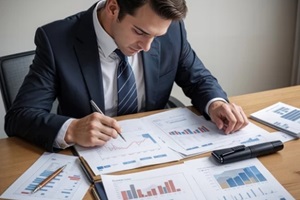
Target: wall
{"points": [[248, 45]]}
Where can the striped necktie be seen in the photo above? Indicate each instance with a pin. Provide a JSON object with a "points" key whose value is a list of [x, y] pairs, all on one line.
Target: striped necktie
{"points": [[127, 94]]}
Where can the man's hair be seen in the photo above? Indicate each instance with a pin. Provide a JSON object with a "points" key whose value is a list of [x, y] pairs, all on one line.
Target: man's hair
{"points": [[167, 9]]}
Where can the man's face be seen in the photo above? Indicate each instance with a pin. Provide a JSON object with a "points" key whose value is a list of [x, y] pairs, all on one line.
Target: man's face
{"points": [[135, 33]]}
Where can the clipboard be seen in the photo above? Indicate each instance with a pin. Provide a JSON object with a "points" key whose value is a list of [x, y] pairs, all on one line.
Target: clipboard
{"points": [[100, 191], [88, 171], [97, 189]]}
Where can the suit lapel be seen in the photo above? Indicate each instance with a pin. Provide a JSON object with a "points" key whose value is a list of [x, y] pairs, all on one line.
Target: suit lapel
{"points": [[151, 64], [86, 49]]}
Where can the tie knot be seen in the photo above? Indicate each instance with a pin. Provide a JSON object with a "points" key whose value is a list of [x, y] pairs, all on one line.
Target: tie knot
{"points": [[120, 54]]}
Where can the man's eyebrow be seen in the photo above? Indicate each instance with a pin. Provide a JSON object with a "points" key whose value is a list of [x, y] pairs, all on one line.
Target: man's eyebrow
{"points": [[141, 30]]}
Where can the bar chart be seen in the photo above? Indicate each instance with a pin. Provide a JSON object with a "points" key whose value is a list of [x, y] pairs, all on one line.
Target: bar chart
{"points": [[164, 183], [237, 177], [62, 186], [37, 180], [188, 131], [247, 179], [287, 113], [281, 116], [134, 193], [68, 184]]}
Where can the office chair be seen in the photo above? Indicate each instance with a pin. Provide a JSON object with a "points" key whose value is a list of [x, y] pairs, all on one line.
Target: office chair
{"points": [[13, 69]]}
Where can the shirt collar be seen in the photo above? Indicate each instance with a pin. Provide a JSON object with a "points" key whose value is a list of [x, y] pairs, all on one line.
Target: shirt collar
{"points": [[106, 43]]}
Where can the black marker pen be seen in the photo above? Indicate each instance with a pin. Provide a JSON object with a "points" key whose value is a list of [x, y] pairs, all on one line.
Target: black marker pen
{"points": [[242, 152]]}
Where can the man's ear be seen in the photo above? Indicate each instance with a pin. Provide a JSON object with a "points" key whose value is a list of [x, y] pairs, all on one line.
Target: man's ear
{"points": [[112, 8]]}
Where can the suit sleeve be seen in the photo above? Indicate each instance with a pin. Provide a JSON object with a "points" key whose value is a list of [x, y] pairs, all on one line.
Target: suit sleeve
{"points": [[30, 117], [195, 79]]}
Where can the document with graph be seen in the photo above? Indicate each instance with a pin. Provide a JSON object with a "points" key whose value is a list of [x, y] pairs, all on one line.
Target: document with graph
{"points": [[248, 179], [141, 148], [71, 183], [280, 116], [165, 137], [190, 134], [198, 179], [169, 183]]}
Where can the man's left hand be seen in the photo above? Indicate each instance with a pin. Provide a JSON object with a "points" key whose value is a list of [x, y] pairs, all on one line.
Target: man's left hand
{"points": [[227, 116]]}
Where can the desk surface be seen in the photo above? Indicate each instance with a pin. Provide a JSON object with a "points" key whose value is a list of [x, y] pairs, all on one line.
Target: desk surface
{"points": [[18, 155]]}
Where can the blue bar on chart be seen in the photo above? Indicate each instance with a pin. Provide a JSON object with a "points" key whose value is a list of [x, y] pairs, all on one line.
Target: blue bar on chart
{"points": [[133, 193], [238, 177], [282, 110], [39, 179], [188, 131], [292, 116]]}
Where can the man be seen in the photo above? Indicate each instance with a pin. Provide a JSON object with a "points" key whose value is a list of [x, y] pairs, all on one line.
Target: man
{"points": [[75, 62]]}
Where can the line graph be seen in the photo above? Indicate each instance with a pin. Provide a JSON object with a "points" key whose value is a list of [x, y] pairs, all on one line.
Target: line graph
{"points": [[139, 143], [120, 146]]}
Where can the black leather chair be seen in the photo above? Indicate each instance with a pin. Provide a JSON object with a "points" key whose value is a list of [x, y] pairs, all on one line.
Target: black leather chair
{"points": [[13, 69]]}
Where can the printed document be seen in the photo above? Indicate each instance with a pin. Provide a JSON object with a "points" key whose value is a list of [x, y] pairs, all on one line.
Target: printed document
{"points": [[70, 184], [198, 179], [165, 137]]}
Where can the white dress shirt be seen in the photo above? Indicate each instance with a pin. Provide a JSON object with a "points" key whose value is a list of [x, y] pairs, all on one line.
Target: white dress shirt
{"points": [[109, 63]]}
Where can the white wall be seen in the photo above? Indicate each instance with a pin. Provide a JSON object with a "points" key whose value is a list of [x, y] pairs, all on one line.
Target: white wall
{"points": [[247, 44]]}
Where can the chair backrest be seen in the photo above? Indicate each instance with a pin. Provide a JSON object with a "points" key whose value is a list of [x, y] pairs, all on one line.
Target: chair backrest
{"points": [[13, 69]]}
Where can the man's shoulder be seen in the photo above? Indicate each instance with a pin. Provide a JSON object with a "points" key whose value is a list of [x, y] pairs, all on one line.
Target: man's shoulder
{"points": [[70, 20]]}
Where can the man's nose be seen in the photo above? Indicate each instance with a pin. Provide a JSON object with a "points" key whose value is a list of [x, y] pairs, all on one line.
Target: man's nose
{"points": [[145, 44]]}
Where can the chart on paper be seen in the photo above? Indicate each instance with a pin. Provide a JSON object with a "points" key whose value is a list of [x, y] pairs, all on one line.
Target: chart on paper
{"points": [[69, 184], [185, 129], [280, 116], [190, 134], [171, 183], [243, 180], [135, 144], [142, 189], [141, 148], [61, 187]]}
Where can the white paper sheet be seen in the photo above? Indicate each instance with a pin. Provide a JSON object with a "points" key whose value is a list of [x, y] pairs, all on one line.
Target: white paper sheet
{"points": [[170, 183], [247, 179], [166, 137], [142, 148], [198, 179], [71, 183]]}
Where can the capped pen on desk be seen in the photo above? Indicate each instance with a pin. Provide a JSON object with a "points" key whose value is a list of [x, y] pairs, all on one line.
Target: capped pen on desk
{"points": [[242, 152], [98, 110], [48, 179]]}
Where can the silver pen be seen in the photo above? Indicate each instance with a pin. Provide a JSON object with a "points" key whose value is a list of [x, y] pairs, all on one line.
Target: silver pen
{"points": [[98, 110]]}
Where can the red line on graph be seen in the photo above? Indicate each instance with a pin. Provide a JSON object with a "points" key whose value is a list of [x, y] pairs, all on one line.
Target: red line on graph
{"points": [[114, 147]]}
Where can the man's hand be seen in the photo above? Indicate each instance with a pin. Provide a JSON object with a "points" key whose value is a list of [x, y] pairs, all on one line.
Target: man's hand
{"points": [[227, 116], [93, 130]]}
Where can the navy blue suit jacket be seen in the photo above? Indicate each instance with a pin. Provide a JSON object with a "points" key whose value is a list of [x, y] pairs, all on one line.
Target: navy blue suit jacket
{"points": [[67, 67]]}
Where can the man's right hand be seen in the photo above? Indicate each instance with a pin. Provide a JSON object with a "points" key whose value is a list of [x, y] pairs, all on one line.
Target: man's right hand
{"points": [[93, 130]]}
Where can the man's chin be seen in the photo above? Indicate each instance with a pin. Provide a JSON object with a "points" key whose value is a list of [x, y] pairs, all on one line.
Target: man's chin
{"points": [[132, 52]]}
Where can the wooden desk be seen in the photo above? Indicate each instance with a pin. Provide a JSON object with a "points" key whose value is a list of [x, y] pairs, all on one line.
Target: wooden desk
{"points": [[18, 156]]}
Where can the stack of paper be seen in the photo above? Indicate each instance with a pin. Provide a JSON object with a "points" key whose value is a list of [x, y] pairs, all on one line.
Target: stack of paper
{"points": [[280, 116], [198, 179], [165, 137]]}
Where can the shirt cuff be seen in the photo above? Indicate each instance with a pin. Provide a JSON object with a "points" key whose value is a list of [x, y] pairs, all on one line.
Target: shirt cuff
{"points": [[60, 138], [211, 101]]}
